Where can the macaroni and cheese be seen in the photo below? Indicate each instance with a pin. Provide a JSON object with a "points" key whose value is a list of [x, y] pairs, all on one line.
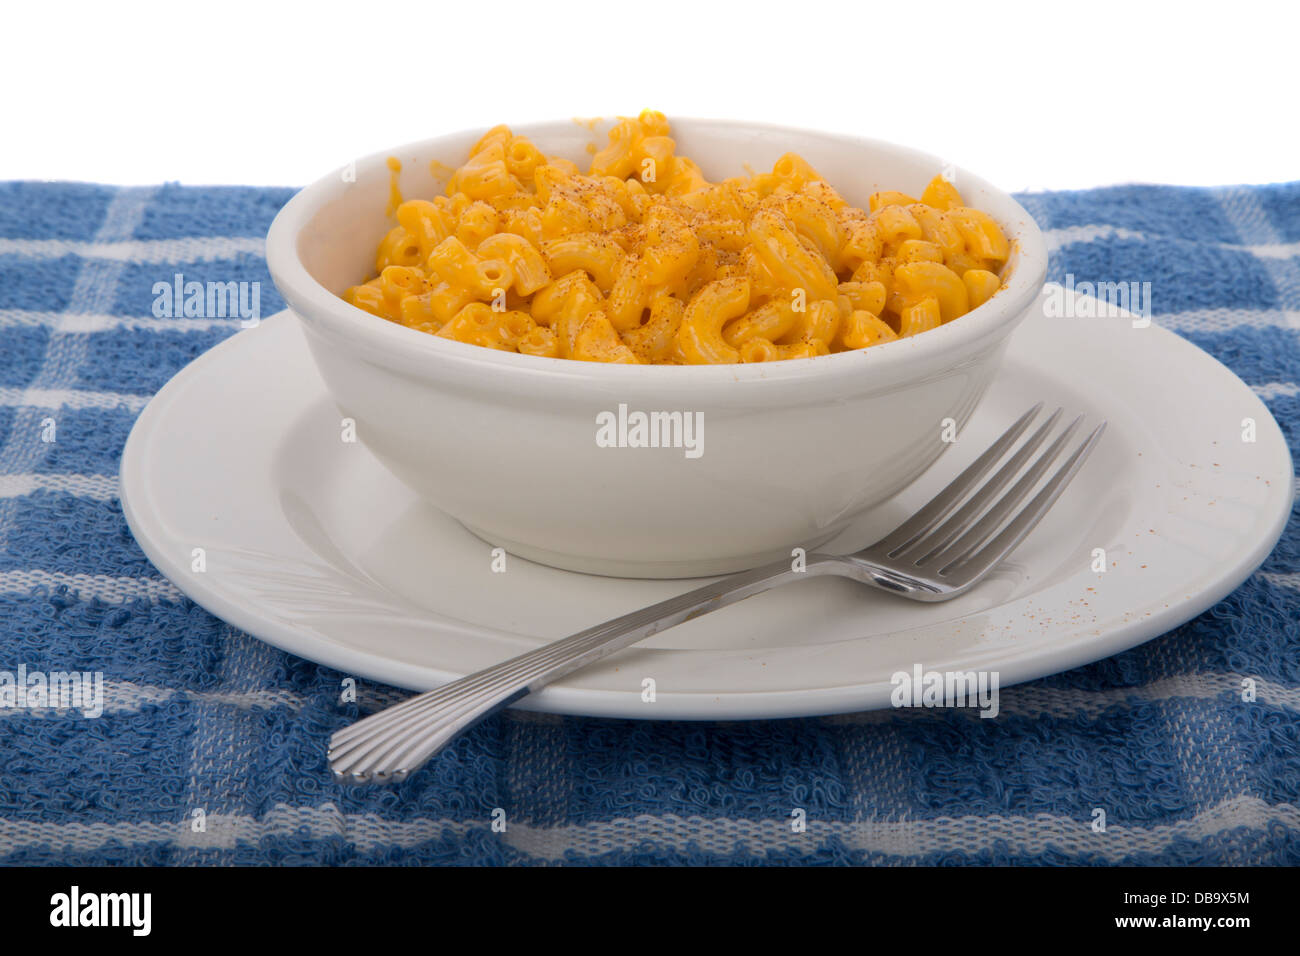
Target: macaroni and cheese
{"points": [[643, 260]]}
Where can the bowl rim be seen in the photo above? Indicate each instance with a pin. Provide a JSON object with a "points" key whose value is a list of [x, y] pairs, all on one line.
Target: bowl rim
{"points": [[418, 353]]}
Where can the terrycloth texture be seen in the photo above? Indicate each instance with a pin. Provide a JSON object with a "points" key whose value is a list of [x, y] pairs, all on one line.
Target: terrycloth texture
{"points": [[199, 715]]}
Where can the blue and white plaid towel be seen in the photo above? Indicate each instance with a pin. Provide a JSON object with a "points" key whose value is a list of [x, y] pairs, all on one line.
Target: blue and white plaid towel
{"points": [[210, 748]]}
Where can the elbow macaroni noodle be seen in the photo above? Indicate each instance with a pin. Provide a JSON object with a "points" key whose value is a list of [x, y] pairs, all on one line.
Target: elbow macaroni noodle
{"points": [[642, 260]]}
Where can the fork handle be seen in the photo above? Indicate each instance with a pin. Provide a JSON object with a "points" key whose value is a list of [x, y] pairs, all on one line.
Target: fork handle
{"points": [[387, 746]]}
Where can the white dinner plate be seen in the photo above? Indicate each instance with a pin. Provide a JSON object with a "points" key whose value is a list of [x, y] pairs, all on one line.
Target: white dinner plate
{"points": [[311, 545]]}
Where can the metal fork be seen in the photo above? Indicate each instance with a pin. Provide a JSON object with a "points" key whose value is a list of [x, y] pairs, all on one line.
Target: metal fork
{"points": [[940, 552]]}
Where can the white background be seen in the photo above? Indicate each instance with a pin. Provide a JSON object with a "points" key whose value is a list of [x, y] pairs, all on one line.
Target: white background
{"points": [[1030, 96]]}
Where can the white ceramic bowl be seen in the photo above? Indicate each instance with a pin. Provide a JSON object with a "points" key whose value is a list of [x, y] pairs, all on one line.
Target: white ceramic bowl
{"points": [[507, 443]]}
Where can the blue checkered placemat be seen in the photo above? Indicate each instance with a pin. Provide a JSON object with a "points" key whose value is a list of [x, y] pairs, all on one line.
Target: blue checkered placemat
{"points": [[210, 747]]}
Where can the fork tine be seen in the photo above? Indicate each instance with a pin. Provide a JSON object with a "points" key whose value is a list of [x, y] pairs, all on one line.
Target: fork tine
{"points": [[938, 507], [1030, 515], [1002, 508], [927, 545]]}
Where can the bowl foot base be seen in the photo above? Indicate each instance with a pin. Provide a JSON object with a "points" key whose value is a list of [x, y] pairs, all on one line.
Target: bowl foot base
{"points": [[615, 568]]}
